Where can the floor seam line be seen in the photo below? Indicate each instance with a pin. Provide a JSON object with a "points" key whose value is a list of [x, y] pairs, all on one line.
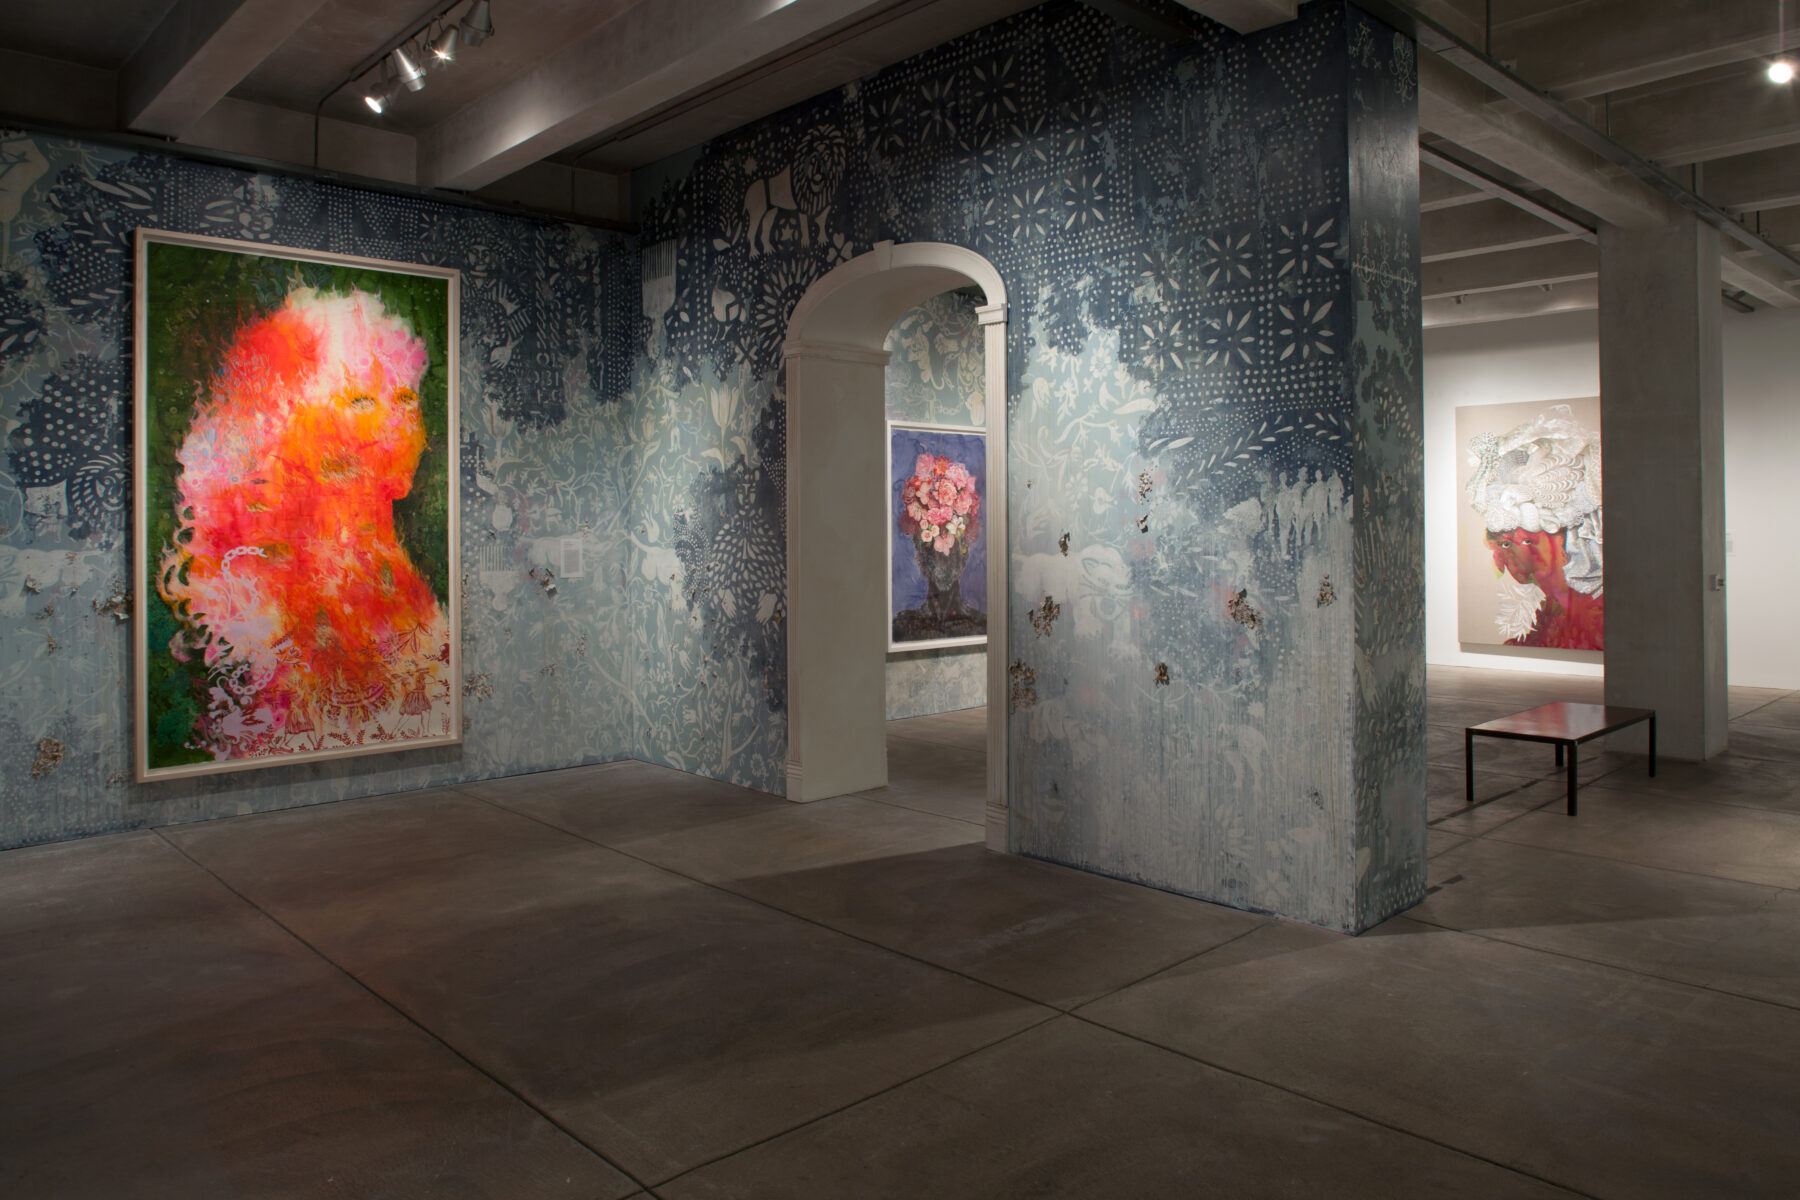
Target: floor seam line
{"points": [[1610, 966], [846, 1107], [814, 922], [1635, 863], [405, 1016], [1335, 1107], [1265, 923]]}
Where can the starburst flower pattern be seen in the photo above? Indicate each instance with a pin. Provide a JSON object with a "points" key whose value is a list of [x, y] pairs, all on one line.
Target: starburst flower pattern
{"points": [[994, 90], [1165, 344], [1303, 332], [1230, 338], [1085, 200], [1030, 211], [1161, 270], [1086, 122], [937, 109], [1306, 248], [1225, 258]]}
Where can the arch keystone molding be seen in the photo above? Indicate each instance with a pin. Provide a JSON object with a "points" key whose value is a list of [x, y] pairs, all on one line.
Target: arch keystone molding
{"points": [[837, 536]]}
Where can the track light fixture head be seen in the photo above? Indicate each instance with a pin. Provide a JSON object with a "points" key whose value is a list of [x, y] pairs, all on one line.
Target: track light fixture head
{"points": [[381, 93], [477, 24], [406, 70], [1781, 71], [443, 47]]}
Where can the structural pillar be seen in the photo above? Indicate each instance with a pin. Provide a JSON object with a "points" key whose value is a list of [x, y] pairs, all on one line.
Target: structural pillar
{"points": [[1663, 432]]}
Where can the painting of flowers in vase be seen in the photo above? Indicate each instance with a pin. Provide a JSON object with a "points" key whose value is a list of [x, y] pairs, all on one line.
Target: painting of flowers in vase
{"points": [[938, 571], [295, 506]]}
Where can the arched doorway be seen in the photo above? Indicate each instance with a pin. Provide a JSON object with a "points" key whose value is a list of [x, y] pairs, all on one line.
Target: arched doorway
{"points": [[836, 525]]}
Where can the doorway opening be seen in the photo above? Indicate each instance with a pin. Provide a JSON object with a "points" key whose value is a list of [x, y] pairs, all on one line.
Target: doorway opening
{"points": [[838, 502]]}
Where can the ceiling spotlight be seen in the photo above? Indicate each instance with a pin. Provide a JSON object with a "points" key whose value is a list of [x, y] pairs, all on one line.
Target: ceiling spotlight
{"points": [[477, 23], [406, 70], [381, 94], [443, 47], [1781, 71]]}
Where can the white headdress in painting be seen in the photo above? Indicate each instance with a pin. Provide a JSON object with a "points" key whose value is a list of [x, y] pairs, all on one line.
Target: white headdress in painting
{"points": [[1544, 476]]}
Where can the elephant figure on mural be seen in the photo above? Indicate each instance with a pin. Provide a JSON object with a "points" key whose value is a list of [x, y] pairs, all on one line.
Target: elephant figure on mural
{"points": [[800, 192]]}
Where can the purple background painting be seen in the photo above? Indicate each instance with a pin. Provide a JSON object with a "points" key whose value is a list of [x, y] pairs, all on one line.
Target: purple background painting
{"points": [[904, 448]]}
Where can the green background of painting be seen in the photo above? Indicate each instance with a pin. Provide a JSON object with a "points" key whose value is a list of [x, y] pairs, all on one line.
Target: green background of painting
{"points": [[195, 300]]}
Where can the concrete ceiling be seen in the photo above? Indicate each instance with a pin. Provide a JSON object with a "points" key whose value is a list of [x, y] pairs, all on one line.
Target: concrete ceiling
{"points": [[569, 95]]}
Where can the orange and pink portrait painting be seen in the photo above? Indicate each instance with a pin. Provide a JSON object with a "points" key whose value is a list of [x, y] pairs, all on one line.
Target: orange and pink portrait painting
{"points": [[296, 536]]}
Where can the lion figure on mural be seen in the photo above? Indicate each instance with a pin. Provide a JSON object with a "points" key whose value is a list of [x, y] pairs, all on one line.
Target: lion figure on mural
{"points": [[797, 196]]}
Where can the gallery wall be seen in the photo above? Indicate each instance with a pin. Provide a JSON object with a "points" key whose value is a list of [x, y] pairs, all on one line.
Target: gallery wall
{"points": [[1558, 356], [937, 376], [1506, 362], [548, 312], [1216, 686]]}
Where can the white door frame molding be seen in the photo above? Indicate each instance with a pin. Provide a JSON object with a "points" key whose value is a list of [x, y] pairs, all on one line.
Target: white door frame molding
{"points": [[836, 412]]}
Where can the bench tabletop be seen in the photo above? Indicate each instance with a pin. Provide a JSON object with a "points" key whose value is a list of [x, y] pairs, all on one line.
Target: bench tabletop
{"points": [[1564, 720]]}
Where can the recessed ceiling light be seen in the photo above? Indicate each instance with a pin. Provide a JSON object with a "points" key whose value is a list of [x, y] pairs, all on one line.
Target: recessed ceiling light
{"points": [[1781, 71]]}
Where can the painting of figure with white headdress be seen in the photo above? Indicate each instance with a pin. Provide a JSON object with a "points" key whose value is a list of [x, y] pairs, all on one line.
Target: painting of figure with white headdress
{"points": [[1530, 547]]}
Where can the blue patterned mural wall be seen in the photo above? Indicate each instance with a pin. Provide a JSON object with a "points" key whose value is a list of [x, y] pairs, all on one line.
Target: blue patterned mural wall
{"points": [[548, 331], [937, 376], [1216, 675]]}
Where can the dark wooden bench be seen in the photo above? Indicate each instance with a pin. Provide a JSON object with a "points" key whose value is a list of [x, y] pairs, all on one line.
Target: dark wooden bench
{"points": [[1564, 725]]}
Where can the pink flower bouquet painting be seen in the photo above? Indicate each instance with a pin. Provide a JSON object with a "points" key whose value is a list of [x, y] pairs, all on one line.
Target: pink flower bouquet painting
{"points": [[938, 581]]}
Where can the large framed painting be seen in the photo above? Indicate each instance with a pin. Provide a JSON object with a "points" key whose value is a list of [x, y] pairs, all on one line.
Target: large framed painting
{"points": [[1530, 548], [937, 500], [295, 506]]}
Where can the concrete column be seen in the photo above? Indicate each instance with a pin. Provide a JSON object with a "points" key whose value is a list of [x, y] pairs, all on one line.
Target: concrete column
{"points": [[1663, 433]]}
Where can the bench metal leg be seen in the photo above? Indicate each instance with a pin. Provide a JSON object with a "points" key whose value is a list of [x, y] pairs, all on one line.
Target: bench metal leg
{"points": [[1573, 756], [1559, 754], [1468, 767]]}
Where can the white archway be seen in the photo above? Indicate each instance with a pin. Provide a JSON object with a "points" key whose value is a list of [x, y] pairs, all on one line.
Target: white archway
{"points": [[837, 546]]}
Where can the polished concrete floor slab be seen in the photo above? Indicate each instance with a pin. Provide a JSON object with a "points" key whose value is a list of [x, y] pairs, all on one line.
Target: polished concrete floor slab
{"points": [[1606, 1081], [1716, 933], [624, 980], [665, 1021], [1725, 840], [1072, 1110], [164, 1038]]}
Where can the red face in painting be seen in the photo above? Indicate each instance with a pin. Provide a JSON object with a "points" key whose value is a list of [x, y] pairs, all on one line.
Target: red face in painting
{"points": [[1566, 619], [1529, 556]]}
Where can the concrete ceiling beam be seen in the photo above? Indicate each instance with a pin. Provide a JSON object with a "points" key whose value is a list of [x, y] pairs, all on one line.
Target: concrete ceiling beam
{"points": [[1716, 114], [1246, 16], [1756, 276], [1536, 266], [1753, 182], [1438, 191], [651, 59], [1458, 108], [1609, 45], [1467, 19], [1484, 228], [1511, 304], [196, 54]]}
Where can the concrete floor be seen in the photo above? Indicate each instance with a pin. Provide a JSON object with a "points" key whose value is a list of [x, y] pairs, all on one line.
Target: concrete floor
{"points": [[602, 980]]}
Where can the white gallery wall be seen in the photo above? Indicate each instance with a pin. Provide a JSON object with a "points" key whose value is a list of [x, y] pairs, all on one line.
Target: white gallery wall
{"points": [[1557, 357]]}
